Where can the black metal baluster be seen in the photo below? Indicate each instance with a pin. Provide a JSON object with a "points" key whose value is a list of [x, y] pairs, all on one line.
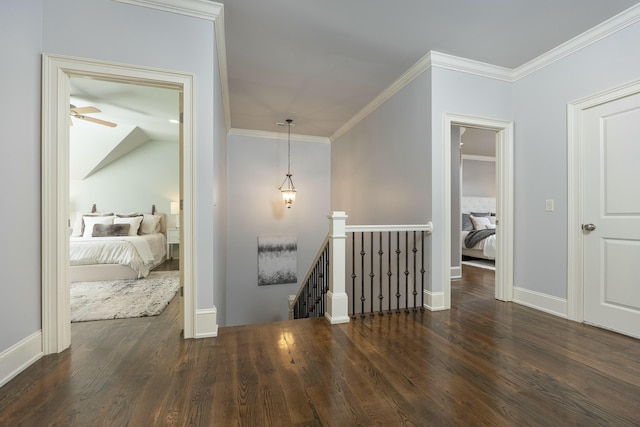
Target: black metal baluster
{"points": [[371, 275], [422, 271], [353, 275], [406, 271], [380, 253], [389, 273], [415, 292], [362, 254], [398, 252]]}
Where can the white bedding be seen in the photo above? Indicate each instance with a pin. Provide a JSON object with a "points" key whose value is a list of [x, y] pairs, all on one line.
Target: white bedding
{"points": [[487, 246], [140, 253]]}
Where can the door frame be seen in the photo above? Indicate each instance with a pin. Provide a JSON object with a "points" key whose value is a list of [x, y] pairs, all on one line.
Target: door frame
{"points": [[575, 199], [504, 202], [56, 73]]}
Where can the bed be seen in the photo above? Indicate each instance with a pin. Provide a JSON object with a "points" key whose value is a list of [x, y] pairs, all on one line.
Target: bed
{"points": [[478, 227], [116, 246]]}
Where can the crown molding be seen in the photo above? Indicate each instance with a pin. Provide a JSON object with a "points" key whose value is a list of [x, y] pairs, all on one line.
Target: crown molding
{"points": [[589, 37], [416, 69], [203, 9], [196, 8], [469, 66], [278, 135]]}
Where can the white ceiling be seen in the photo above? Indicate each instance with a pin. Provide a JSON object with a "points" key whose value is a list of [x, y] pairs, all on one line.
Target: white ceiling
{"points": [[321, 62]]}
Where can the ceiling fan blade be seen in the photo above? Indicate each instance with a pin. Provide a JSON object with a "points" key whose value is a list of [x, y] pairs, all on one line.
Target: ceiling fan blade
{"points": [[84, 110], [98, 121]]}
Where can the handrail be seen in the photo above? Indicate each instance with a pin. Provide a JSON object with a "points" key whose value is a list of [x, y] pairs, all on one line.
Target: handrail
{"points": [[373, 228], [313, 264]]}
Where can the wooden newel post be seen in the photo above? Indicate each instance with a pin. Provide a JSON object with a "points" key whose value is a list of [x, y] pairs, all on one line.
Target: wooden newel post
{"points": [[337, 300]]}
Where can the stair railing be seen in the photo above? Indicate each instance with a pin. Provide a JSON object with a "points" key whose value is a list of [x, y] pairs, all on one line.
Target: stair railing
{"points": [[400, 251]]}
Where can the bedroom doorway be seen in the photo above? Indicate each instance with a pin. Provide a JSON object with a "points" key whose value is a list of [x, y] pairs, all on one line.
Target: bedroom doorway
{"points": [[503, 131], [57, 72]]}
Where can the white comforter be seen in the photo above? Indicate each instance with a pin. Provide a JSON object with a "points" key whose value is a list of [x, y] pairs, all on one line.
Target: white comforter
{"points": [[141, 253], [488, 245]]}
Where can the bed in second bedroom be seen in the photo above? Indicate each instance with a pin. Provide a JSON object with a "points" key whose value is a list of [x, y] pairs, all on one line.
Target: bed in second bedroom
{"points": [[115, 246], [479, 227]]}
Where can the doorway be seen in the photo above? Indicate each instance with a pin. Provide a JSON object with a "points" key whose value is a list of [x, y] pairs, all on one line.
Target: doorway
{"points": [[504, 202], [57, 72]]}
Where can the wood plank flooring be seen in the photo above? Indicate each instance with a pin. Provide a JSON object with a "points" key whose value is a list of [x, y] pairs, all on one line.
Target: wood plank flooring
{"points": [[482, 363]]}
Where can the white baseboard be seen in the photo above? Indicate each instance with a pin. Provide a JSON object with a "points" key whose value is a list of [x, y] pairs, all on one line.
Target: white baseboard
{"points": [[20, 356], [456, 273], [434, 301], [207, 323], [539, 301]]}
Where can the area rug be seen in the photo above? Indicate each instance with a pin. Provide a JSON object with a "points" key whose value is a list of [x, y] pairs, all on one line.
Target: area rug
{"points": [[121, 299], [481, 263]]}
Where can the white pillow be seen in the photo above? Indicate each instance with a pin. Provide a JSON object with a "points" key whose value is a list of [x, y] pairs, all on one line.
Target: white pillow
{"points": [[78, 225], [150, 224], [491, 227], [133, 221], [493, 220], [480, 222], [90, 221]]}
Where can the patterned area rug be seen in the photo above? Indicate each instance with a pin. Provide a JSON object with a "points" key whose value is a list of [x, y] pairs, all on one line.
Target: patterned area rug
{"points": [[121, 299]]}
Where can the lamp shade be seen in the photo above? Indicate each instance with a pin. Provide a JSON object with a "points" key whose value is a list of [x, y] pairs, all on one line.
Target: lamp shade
{"points": [[175, 208]]}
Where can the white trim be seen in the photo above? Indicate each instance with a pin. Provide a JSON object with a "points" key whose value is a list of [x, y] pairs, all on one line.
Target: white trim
{"points": [[203, 9], [206, 323], [589, 37], [478, 158], [469, 66], [434, 301], [221, 48], [278, 135], [56, 325], [575, 172], [504, 202], [428, 227], [456, 273], [539, 301], [20, 356]]}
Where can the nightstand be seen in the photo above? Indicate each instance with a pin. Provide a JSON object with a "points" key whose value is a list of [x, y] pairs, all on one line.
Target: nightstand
{"points": [[173, 238]]}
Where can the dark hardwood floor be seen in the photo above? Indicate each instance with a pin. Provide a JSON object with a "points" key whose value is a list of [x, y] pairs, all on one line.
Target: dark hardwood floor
{"points": [[481, 363]]}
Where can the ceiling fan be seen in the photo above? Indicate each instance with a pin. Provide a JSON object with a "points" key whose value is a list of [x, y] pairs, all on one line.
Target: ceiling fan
{"points": [[79, 113]]}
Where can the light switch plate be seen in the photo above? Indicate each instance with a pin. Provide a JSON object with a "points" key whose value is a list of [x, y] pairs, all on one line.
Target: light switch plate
{"points": [[548, 205]]}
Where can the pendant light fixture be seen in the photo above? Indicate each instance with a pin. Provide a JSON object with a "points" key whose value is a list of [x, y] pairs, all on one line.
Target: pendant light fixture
{"points": [[287, 188]]}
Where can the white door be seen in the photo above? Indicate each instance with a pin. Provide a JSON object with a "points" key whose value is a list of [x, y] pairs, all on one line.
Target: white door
{"points": [[611, 188]]}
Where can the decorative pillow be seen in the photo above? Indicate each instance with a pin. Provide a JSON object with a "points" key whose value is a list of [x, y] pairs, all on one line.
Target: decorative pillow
{"points": [[133, 221], [108, 230], [492, 220], [467, 225], [480, 214], [480, 222], [150, 224], [90, 221], [78, 225], [490, 226]]}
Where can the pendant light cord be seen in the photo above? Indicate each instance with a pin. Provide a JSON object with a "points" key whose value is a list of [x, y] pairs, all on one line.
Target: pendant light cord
{"points": [[289, 148]]}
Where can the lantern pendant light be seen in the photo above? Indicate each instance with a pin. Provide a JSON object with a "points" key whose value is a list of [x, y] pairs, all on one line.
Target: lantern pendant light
{"points": [[287, 188]]}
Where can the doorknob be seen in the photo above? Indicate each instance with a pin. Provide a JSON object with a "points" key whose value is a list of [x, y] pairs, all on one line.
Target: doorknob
{"points": [[588, 227]]}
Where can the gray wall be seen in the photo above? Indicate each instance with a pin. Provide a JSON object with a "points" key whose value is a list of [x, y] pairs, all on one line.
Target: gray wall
{"points": [[256, 168], [380, 169], [20, 284], [478, 178], [106, 27], [148, 175], [540, 108], [53, 26]]}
